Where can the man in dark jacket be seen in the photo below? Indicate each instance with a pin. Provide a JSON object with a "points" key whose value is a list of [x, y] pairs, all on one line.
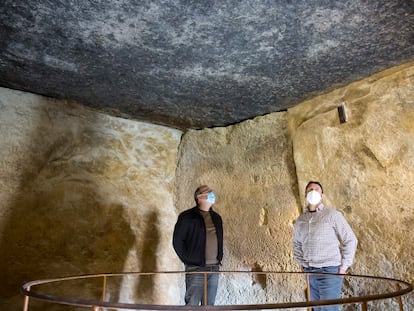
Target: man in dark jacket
{"points": [[198, 242]]}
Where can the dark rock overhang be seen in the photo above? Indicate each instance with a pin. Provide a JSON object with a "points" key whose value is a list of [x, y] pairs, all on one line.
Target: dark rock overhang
{"points": [[197, 64]]}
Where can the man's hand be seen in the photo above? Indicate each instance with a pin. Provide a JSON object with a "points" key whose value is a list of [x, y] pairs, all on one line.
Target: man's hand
{"points": [[341, 271]]}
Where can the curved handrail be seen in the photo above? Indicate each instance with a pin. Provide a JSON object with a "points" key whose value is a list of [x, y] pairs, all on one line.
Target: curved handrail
{"points": [[26, 290]]}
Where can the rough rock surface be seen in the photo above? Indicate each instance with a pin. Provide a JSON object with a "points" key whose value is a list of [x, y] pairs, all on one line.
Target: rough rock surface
{"points": [[366, 166], [82, 193], [250, 167], [197, 64]]}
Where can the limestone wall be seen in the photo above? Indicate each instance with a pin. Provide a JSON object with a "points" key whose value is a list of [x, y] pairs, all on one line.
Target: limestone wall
{"points": [[366, 166], [82, 192], [250, 167], [259, 169]]}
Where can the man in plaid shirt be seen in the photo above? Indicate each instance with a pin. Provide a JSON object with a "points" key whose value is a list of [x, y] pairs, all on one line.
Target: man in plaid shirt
{"points": [[323, 242]]}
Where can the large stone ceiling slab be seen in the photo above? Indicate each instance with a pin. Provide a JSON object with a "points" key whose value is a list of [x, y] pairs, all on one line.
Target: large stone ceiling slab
{"points": [[196, 64]]}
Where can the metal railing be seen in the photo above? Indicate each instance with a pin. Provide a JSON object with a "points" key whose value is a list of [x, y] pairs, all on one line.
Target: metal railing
{"points": [[55, 291]]}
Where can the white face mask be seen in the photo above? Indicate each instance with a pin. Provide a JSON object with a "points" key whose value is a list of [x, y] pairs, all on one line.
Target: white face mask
{"points": [[313, 197]]}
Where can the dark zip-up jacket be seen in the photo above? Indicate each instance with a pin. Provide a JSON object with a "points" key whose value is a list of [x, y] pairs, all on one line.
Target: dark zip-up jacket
{"points": [[189, 238]]}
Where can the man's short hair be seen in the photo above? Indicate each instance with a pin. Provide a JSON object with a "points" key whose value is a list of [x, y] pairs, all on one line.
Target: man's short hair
{"points": [[314, 182], [200, 190]]}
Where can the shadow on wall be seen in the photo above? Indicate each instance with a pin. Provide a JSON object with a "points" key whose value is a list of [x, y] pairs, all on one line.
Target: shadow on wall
{"points": [[61, 223], [148, 258]]}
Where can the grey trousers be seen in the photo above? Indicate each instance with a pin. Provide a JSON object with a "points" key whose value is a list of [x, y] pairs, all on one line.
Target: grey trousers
{"points": [[194, 283]]}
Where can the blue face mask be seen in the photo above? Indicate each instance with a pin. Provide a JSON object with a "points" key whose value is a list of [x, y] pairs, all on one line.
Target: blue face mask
{"points": [[211, 197]]}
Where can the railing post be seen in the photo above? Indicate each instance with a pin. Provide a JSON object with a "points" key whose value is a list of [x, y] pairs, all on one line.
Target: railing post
{"points": [[364, 306], [205, 288], [26, 301], [103, 290], [399, 298], [308, 290]]}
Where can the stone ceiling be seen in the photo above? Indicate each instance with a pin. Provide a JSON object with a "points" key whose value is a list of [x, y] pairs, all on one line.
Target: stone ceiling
{"points": [[197, 64]]}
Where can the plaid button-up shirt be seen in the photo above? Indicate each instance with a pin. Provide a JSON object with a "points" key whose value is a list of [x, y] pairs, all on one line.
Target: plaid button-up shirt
{"points": [[323, 238]]}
